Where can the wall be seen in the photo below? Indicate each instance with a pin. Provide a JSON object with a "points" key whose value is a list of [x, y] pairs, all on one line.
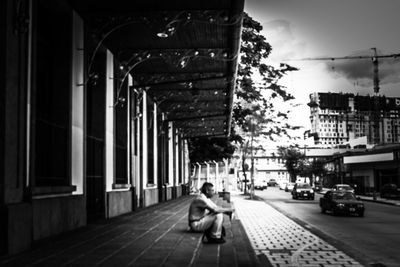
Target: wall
{"points": [[118, 203], [150, 196], [178, 191], [52, 216], [169, 193], [17, 219]]}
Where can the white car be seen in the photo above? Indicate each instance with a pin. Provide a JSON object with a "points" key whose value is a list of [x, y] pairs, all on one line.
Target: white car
{"points": [[289, 187], [282, 186], [260, 184]]}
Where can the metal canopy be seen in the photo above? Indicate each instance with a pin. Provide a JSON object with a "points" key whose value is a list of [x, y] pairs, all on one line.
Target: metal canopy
{"points": [[183, 53]]}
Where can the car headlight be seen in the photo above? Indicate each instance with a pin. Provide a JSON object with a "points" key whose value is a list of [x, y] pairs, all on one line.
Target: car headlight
{"points": [[360, 205], [340, 205], [311, 191], [298, 190]]}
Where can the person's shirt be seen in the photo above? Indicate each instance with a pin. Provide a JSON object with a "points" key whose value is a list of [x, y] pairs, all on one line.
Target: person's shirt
{"points": [[200, 206]]}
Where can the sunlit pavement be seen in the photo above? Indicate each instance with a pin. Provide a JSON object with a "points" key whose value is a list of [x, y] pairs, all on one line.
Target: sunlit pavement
{"points": [[283, 241]]}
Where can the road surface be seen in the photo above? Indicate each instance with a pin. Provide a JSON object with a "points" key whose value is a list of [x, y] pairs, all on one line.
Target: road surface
{"points": [[374, 238]]}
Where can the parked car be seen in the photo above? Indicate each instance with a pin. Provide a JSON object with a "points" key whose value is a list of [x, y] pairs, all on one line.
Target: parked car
{"points": [[317, 187], [341, 202], [272, 182], [302, 190], [289, 187], [342, 187], [390, 191], [282, 186], [260, 184]]}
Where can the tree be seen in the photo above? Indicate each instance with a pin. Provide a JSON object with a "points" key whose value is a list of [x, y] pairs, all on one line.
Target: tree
{"points": [[254, 114], [316, 169], [294, 160]]}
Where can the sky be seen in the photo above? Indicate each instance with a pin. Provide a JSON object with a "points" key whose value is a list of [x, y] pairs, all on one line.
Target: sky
{"points": [[299, 29]]}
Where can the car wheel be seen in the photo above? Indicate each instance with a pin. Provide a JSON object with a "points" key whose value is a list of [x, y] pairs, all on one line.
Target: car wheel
{"points": [[293, 197], [312, 198], [323, 210], [361, 214]]}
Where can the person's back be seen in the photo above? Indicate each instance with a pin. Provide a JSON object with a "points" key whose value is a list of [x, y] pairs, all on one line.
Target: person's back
{"points": [[198, 208]]}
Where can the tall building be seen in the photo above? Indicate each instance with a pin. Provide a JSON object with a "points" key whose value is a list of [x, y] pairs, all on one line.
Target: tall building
{"points": [[338, 119]]}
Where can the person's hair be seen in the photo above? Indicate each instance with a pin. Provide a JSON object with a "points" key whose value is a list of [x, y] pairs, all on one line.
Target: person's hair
{"points": [[205, 186]]}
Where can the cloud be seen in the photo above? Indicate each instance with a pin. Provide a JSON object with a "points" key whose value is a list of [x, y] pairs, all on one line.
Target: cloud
{"points": [[284, 43], [361, 71]]}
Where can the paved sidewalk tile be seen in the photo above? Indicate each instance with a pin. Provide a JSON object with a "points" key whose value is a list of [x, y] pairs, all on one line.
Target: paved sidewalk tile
{"points": [[284, 242]]}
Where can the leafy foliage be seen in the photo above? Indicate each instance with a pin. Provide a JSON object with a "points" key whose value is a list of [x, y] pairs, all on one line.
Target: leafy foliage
{"points": [[297, 164], [203, 149], [253, 111], [312, 169], [294, 160]]}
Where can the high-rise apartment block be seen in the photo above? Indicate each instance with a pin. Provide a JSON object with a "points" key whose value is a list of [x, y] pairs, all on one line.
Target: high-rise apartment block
{"points": [[337, 118]]}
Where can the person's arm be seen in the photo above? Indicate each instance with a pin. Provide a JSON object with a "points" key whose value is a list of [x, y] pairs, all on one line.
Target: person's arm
{"points": [[224, 210], [212, 207]]}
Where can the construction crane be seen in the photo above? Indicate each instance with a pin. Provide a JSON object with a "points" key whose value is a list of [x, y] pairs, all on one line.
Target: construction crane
{"points": [[376, 81]]}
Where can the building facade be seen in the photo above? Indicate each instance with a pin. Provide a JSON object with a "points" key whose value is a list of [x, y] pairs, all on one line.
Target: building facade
{"points": [[267, 165], [98, 100], [338, 119], [366, 170]]}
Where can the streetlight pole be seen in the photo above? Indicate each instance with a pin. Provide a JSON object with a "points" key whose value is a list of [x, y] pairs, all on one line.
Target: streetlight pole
{"points": [[252, 160]]}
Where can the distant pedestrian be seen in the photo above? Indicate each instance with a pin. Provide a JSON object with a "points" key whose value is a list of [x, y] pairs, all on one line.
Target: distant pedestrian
{"points": [[206, 216]]}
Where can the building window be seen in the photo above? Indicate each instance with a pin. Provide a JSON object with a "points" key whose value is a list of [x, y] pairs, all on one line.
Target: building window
{"points": [[121, 134], [52, 98], [150, 141]]}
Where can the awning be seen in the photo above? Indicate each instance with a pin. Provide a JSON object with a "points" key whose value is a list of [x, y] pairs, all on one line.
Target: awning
{"points": [[183, 53]]}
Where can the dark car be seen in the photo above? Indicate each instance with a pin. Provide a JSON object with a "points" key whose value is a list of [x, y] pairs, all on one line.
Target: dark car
{"points": [[342, 187], [390, 191], [341, 202], [272, 182], [317, 186], [302, 190]]}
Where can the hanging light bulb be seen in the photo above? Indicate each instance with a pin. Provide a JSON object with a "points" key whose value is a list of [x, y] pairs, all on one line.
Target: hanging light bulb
{"points": [[162, 34], [183, 63]]}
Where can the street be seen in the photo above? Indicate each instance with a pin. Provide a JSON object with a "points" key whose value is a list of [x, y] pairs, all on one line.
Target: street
{"points": [[374, 238]]}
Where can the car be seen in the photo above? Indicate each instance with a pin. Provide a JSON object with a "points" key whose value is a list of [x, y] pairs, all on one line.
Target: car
{"points": [[341, 202], [390, 191], [260, 184], [317, 187], [272, 182], [302, 190], [289, 187], [342, 187], [282, 186]]}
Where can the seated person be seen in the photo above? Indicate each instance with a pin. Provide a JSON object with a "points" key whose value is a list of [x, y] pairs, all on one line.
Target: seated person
{"points": [[205, 215]]}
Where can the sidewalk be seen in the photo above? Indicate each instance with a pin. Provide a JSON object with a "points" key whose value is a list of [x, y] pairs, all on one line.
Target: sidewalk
{"points": [[282, 242], [154, 236], [258, 235]]}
